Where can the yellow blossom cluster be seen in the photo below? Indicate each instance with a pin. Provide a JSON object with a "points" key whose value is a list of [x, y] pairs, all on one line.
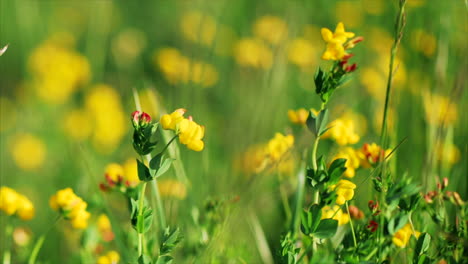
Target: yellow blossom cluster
{"points": [[111, 257], [251, 52], [353, 160], [57, 69], [372, 154], [14, 203], [335, 42], [343, 131], [300, 115], [104, 227], [179, 69], [402, 236], [71, 207], [302, 52], [190, 133], [126, 173], [335, 212], [271, 29], [28, 151], [172, 189], [344, 190], [447, 153]]}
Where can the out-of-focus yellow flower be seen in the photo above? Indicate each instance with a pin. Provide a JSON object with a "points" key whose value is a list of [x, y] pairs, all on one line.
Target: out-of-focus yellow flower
{"points": [[172, 189], [253, 53], [344, 190], [22, 236], [373, 7], [336, 213], [198, 27], [271, 29], [298, 116], [439, 110], [254, 160], [350, 13], [402, 236], [71, 207], [170, 121], [191, 134], [343, 131], [103, 104], [114, 172], [127, 46], [379, 40], [424, 42], [302, 52], [28, 151], [352, 160], [447, 153], [371, 154], [77, 125], [111, 257], [7, 114], [57, 70], [104, 227], [14, 203], [279, 145], [131, 172], [179, 69]]}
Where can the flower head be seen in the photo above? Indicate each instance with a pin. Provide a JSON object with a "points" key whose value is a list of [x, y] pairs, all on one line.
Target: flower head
{"points": [[71, 207], [344, 190], [169, 121], [112, 257], [336, 43], [14, 203], [335, 212], [140, 119], [402, 236]]}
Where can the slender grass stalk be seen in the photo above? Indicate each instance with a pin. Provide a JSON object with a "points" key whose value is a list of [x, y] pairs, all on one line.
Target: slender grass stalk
{"points": [[141, 199], [260, 238], [351, 224]]}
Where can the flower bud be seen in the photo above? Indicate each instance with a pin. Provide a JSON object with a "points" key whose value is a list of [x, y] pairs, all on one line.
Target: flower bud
{"points": [[355, 213], [372, 226], [140, 119]]}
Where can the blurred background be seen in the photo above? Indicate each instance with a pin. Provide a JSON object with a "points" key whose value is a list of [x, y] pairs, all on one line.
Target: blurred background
{"points": [[66, 94]]}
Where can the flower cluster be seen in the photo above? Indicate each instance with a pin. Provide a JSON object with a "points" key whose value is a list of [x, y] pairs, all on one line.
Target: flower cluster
{"points": [[111, 257], [300, 115], [172, 188], [343, 131], [71, 207], [120, 176], [336, 43], [190, 133], [372, 154], [344, 190], [14, 203], [104, 227], [335, 212], [402, 236]]}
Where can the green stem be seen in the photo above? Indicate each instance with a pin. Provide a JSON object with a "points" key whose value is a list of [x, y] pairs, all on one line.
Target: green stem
{"points": [[314, 153], [169, 143], [351, 224], [141, 199], [40, 242], [301, 178]]}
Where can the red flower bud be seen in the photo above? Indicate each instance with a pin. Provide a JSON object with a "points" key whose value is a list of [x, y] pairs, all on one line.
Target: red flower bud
{"points": [[372, 226], [351, 68], [140, 119]]}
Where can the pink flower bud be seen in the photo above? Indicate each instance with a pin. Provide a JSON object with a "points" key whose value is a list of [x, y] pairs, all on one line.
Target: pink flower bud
{"points": [[140, 119]]}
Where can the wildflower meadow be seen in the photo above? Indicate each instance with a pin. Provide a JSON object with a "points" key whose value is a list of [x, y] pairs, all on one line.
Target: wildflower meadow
{"points": [[225, 132]]}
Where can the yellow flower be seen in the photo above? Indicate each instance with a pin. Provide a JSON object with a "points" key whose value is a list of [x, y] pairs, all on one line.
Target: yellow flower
{"points": [[104, 227], [112, 257], [424, 42], [344, 190], [343, 131], [279, 145], [203, 74], [271, 29], [253, 53], [131, 172], [402, 236], [198, 27], [336, 213], [72, 207], [339, 36], [302, 52], [172, 188], [299, 116], [170, 121], [127, 46], [174, 66], [371, 154], [14, 203], [28, 152], [114, 172], [352, 160], [439, 110], [447, 153], [254, 160], [191, 134]]}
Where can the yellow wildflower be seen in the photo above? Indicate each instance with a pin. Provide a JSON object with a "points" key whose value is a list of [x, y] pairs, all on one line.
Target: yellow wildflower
{"points": [[344, 190], [447, 153], [104, 227], [279, 145], [127, 46], [336, 213], [298, 116], [254, 160], [198, 27], [424, 42], [14, 203], [343, 131], [271, 29], [114, 172], [191, 134], [28, 151], [253, 53], [72, 207], [78, 125], [402, 236], [172, 188], [174, 66], [170, 121], [112, 257], [203, 73], [372, 154], [131, 172], [352, 160], [302, 52], [335, 42]]}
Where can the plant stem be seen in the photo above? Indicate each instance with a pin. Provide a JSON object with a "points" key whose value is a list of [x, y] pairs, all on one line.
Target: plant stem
{"points": [[351, 224], [40, 242], [314, 153], [141, 199]]}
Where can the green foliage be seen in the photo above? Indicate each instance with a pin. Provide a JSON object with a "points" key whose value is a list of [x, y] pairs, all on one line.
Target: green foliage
{"points": [[169, 241], [318, 124], [313, 225]]}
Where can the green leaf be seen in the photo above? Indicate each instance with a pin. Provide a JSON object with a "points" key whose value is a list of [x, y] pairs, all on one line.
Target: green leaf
{"points": [[166, 164], [143, 171], [318, 80], [400, 221], [316, 212], [155, 162], [144, 259], [422, 245], [323, 121], [326, 228], [312, 123], [144, 220], [337, 168]]}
